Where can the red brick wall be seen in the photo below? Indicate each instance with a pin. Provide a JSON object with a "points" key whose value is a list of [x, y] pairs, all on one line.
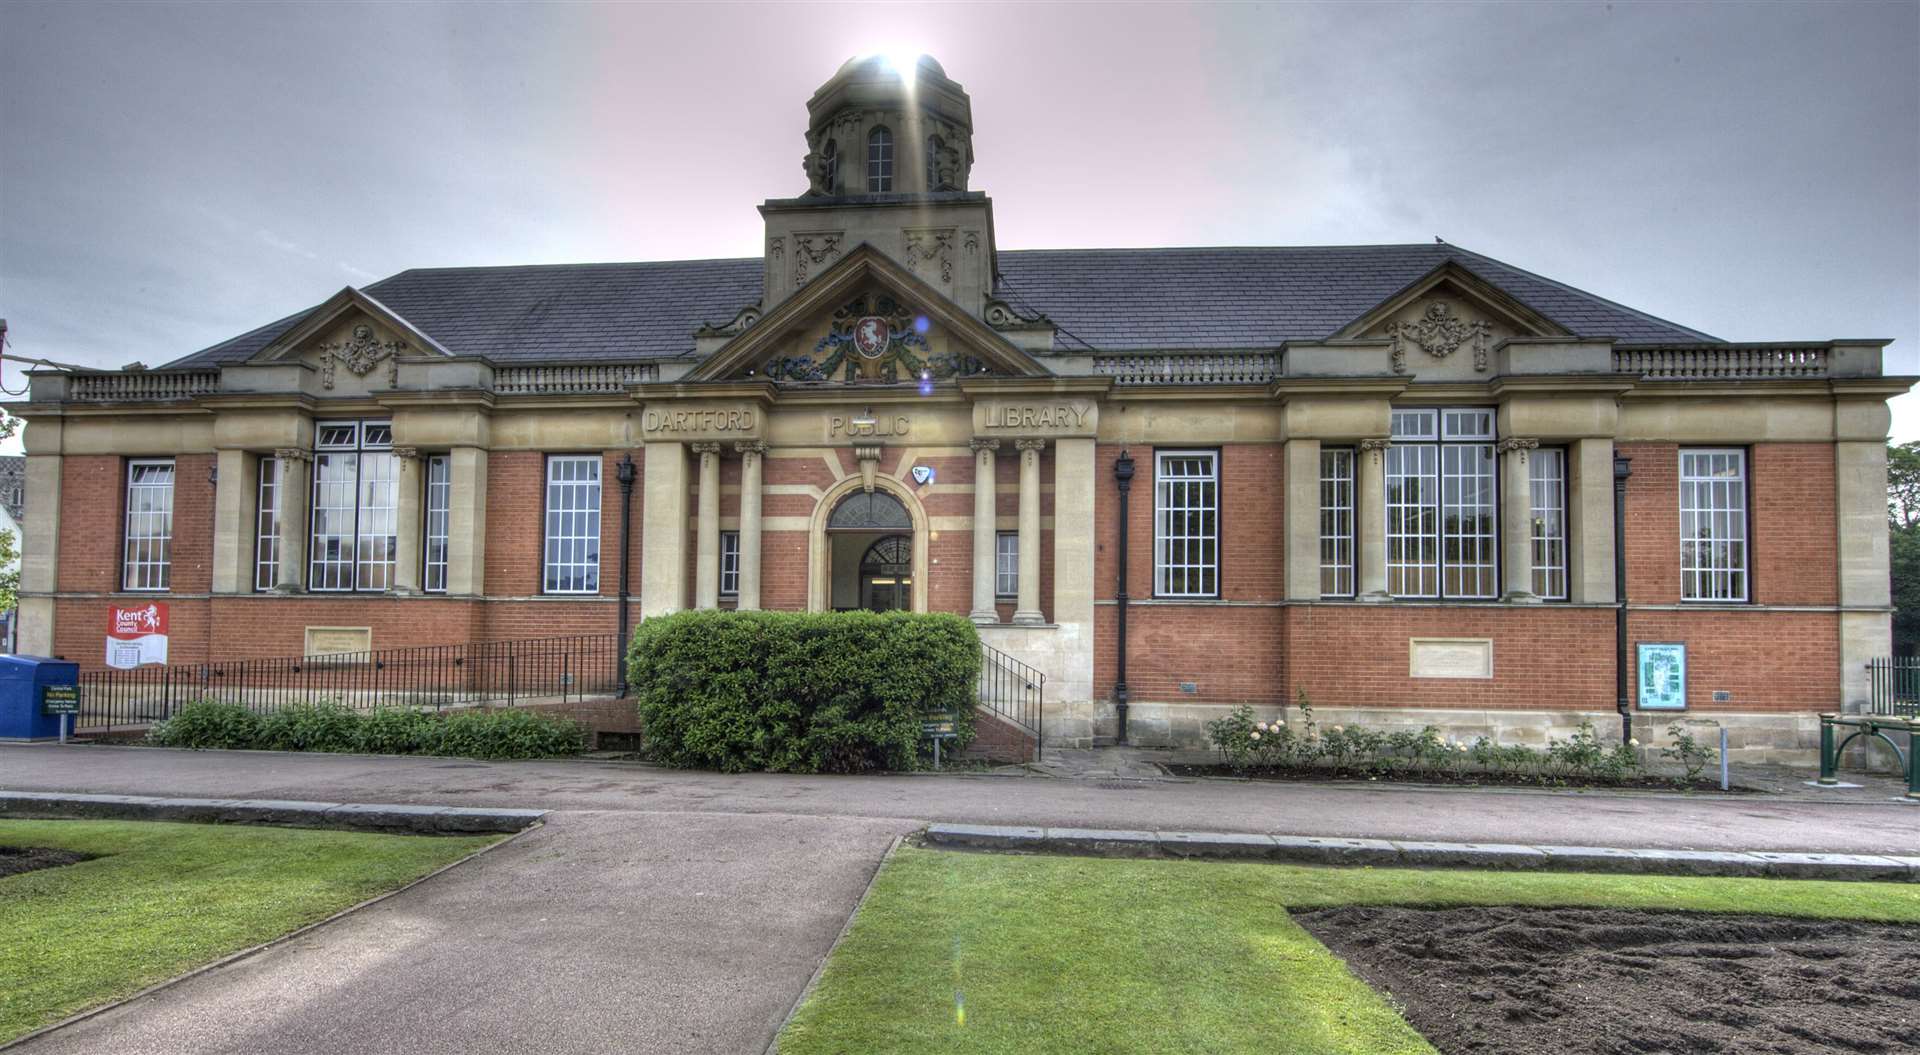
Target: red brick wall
{"points": [[1766, 661], [1229, 652]]}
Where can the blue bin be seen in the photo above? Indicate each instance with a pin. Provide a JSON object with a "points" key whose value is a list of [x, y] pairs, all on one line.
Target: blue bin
{"points": [[22, 679]]}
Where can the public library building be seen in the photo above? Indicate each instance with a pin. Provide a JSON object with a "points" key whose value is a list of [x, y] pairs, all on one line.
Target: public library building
{"points": [[1381, 475]]}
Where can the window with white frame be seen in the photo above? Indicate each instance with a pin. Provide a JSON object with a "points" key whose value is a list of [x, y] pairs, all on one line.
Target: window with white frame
{"points": [[572, 563], [266, 526], [1186, 524], [729, 564], [438, 521], [1336, 522], [1713, 524], [1006, 564], [879, 160], [1547, 520], [149, 541], [355, 514], [1442, 519]]}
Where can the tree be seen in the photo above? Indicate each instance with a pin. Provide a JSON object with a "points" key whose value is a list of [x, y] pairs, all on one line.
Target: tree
{"points": [[1903, 542], [10, 578]]}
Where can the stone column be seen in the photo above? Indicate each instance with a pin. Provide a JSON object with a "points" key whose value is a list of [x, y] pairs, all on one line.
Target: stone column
{"points": [[1590, 521], [40, 555], [236, 493], [663, 511], [985, 520], [467, 522], [1028, 610], [1302, 531], [751, 456], [296, 496], [1370, 521], [1516, 520], [706, 566], [1866, 623], [408, 509]]}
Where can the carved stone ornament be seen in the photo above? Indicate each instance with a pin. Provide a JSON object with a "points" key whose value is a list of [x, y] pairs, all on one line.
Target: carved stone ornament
{"points": [[705, 448], [1377, 445], [743, 320], [746, 447], [984, 445], [1002, 316], [1031, 445], [928, 245], [811, 249], [407, 454], [1439, 334], [292, 454], [1515, 444], [360, 354], [874, 338]]}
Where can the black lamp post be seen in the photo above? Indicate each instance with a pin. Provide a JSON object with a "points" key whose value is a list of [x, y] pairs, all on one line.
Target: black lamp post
{"points": [[1622, 468], [1123, 479], [624, 473]]}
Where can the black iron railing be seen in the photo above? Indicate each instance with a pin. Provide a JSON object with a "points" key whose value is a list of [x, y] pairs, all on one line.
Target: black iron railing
{"points": [[554, 669], [1012, 690], [1896, 685]]}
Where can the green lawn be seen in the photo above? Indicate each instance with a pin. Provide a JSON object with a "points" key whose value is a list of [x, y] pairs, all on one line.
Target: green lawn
{"points": [[960, 952], [164, 898]]}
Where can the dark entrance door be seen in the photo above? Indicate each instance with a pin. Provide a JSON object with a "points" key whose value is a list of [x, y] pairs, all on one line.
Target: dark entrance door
{"points": [[886, 575]]}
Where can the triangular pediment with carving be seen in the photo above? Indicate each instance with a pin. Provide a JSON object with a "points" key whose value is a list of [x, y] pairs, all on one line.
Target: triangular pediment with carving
{"points": [[353, 342], [867, 320], [1448, 324]]}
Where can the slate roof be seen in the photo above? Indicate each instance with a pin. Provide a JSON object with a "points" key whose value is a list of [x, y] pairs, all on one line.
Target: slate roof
{"points": [[1103, 299]]}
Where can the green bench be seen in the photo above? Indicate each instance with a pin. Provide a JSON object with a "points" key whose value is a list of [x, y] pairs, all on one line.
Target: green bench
{"points": [[1875, 726]]}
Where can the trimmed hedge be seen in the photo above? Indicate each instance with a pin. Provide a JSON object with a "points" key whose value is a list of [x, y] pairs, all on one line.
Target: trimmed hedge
{"points": [[831, 692], [479, 733]]}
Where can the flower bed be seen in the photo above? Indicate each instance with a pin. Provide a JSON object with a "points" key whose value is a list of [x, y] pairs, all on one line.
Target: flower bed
{"points": [[1285, 750]]}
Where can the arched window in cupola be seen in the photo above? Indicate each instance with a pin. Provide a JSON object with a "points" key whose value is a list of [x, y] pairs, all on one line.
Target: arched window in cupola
{"points": [[879, 160]]}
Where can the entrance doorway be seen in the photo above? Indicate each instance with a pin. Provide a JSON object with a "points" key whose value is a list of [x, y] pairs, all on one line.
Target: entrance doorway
{"points": [[870, 553]]}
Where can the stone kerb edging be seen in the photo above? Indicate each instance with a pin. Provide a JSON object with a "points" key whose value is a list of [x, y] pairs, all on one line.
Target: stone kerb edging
{"points": [[424, 820], [1300, 849]]}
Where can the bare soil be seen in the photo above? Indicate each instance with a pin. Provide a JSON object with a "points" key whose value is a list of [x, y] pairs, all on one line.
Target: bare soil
{"points": [[1576, 981], [1644, 782], [17, 859]]}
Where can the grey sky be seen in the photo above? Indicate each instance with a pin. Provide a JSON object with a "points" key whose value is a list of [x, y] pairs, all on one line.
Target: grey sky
{"points": [[171, 175]]}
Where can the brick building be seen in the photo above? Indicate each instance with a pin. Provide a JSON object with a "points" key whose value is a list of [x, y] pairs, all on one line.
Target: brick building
{"points": [[1381, 475]]}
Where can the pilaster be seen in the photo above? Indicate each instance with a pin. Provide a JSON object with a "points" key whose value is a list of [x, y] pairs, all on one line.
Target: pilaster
{"points": [[984, 517], [663, 564], [1028, 609], [296, 497], [236, 492], [1590, 520], [752, 456], [466, 521], [706, 567], [1860, 500], [1370, 521], [408, 500], [1516, 519], [1302, 510], [40, 552]]}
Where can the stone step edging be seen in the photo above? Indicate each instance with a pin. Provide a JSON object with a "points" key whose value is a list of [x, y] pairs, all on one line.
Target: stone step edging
{"points": [[353, 816], [1385, 853]]}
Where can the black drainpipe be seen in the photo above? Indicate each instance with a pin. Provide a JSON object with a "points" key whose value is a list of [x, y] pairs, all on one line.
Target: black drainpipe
{"points": [[624, 472], [1122, 478], [1622, 468]]}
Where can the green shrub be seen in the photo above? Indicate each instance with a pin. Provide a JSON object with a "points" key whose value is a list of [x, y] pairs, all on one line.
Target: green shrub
{"points": [[207, 724], [323, 726], [397, 731], [800, 692], [505, 733]]}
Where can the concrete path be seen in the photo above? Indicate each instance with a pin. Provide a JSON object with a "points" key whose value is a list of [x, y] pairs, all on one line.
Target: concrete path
{"points": [[599, 932], [1845, 823]]}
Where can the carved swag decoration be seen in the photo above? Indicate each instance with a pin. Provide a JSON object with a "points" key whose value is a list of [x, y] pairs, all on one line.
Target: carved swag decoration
{"points": [[1439, 334], [360, 353], [874, 338]]}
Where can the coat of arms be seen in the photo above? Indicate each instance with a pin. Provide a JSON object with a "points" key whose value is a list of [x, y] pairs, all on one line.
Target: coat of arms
{"points": [[871, 336]]}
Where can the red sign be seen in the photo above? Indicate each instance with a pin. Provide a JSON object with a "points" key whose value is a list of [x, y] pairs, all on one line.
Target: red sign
{"points": [[137, 634], [871, 335]]}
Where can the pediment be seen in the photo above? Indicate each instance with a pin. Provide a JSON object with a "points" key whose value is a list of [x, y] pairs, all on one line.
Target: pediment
{"points": [[353, 341], [1448, 323], [867, 320]]}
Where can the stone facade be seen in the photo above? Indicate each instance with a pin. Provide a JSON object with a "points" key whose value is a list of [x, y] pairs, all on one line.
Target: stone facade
{"points": [[889, 360]]}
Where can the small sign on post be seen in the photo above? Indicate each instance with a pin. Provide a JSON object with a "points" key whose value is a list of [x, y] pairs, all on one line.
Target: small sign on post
{"points": [[937, 726], [63, 700]]}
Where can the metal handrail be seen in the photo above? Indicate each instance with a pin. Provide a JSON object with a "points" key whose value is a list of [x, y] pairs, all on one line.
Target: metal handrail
{"points": [[1013, 691]]}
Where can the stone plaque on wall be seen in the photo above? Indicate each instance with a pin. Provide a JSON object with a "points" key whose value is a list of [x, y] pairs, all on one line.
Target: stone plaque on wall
{"points": [[328, 640], [1449, 657]]}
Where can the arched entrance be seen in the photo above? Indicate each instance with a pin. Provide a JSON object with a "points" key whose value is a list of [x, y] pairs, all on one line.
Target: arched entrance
{"points": [[870, 553]]}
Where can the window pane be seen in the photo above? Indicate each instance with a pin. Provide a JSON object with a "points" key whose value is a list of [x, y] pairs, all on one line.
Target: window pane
{"points": [[1713, 525], [148, 557], [438, 520], [879, 160], [266, 527], [335, 489], [1006, 564], [1413, 558], [1547, 516], [1336, 523], [1467, 521], [573, 525], [730, 563], [1186, 524], [378, 521]]}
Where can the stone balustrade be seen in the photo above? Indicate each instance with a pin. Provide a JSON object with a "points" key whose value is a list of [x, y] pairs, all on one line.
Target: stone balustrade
{"points": [[572, 377], [1232, 368], [1711, 362], [142, 385]]}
